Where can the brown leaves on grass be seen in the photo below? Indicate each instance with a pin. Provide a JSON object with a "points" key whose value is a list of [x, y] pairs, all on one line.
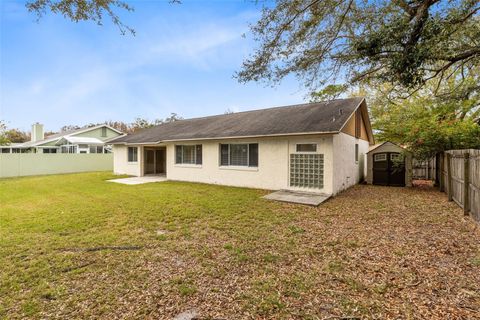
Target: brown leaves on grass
{"points": [[369, 253]]}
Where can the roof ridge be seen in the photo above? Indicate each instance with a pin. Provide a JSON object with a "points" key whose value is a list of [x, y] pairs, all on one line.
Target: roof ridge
{"points": [[270, 108]]}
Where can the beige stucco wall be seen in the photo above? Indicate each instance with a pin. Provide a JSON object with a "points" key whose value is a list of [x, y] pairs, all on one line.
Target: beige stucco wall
{"points": [[121, 164], [390, 147], [273, 163], [346, 171], [28, 164]]}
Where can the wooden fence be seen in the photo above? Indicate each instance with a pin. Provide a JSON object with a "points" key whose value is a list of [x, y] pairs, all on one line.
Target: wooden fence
{"points": [[424, 169], [460, 179]]}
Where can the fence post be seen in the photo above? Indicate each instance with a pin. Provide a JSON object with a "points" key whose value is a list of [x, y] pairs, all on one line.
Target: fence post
{"points": [[466, 183], [441, 168], [449, 177]]}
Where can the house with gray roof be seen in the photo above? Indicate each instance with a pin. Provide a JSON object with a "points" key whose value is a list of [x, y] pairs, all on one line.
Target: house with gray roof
{"points": [[84, 140], [316, 147]]}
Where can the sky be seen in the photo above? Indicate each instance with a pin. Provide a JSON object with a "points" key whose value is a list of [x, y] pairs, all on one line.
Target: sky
{"points": [[182, 60]]}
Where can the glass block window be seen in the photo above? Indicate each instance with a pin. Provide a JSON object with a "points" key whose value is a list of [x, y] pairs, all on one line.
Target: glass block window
{"points": [[306, 170]]}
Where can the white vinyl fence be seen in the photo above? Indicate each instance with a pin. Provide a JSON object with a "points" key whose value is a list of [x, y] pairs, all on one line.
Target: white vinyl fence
{"points": [[29, 164]]}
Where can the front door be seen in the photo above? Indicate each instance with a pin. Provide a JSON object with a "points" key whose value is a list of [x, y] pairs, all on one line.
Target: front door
{"points": [[155, 161], [388, 169]]}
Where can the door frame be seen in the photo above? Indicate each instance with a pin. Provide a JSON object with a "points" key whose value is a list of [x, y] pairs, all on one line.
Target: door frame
{"points": [[155, 169]]}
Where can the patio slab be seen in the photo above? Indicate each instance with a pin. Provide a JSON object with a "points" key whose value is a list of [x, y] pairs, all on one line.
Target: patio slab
{"points": [[139, 180], [308, 198]]}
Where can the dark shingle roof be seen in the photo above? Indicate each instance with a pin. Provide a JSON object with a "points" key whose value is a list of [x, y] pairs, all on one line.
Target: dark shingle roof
{"points": [[316, 117]]}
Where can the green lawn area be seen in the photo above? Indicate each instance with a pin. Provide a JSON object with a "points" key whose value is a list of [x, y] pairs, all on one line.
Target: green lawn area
{"points": [[226, 253]]}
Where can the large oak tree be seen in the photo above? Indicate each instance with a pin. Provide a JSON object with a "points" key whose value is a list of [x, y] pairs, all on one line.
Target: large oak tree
{"points": [[403, 42]]}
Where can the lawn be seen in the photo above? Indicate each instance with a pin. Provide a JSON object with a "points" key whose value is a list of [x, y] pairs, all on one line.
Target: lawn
{"points": [[77, 247]]}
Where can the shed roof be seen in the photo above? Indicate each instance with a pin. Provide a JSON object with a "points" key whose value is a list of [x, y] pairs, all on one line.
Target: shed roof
{"points": [[309, 118], [374, 147]]}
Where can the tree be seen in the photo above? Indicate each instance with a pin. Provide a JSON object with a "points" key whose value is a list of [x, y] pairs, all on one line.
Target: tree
{"points": [[17, 136], [69, 128], [83, 10], [427, 124], [3, 138], [405, 43], [141, 123]]}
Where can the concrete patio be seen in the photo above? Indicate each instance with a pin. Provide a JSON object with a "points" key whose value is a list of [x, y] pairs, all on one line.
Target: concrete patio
{"points": [[139, 180], [308, 198]]}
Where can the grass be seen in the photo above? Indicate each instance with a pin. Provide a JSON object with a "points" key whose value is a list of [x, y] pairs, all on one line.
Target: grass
{"points": [[75, 246]]}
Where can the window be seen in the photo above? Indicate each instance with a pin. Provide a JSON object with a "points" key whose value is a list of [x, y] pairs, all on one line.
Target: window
{"points": [[104, 131], [307, 147], [245, 155], [68, 149], [395, 157], [356, 152], [49, 150], [188, 154], [306, 170], [380, 157], [132, 154], [96, 149], [5, 150]]}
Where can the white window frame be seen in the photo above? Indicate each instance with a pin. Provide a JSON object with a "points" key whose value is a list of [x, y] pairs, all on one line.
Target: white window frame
{"points": [[136, 153], [307, 152], [182, 164], [377, 156], [395, 156], [357, 152], [241, 167]]}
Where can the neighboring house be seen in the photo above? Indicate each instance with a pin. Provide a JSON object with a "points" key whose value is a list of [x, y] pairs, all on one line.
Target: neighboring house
{"points": [[317, 147], [85, 140]]}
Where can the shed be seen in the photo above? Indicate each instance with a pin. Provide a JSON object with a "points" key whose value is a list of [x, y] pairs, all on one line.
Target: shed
{"points": [[389, 164]]}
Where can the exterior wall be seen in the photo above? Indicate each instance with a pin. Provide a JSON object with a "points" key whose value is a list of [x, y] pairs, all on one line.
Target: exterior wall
{"points": [[272, 171], [346, 171], [273, 164], [390, 147], [97, 133], [28, 164], [121, 164]]}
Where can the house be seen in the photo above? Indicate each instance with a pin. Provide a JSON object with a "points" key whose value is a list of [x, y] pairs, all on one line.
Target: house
{"points": [[389, 164], [317, 147], [85, 140]]}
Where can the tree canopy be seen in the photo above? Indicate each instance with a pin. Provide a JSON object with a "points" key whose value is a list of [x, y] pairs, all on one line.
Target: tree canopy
{"points": [[427, 124], [3, 138], [403, 42], [83, 10]]}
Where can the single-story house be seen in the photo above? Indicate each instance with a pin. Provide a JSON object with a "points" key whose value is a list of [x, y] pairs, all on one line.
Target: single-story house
{"points": [[85, 140], [389, 164], [316, 147]]}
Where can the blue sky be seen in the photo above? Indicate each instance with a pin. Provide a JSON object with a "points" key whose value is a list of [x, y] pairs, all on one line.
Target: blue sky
{"points": [[181, 60]]}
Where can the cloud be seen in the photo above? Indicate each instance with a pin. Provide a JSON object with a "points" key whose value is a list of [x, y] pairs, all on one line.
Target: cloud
{"points": [[61, 73]]}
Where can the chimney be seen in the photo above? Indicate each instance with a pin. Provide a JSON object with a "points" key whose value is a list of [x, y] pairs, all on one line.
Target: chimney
{"points": [[37, 132]]}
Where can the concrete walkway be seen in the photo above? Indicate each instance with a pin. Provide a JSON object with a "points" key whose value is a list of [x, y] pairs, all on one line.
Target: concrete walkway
{"points": [[309, 198], [139, 180]]}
